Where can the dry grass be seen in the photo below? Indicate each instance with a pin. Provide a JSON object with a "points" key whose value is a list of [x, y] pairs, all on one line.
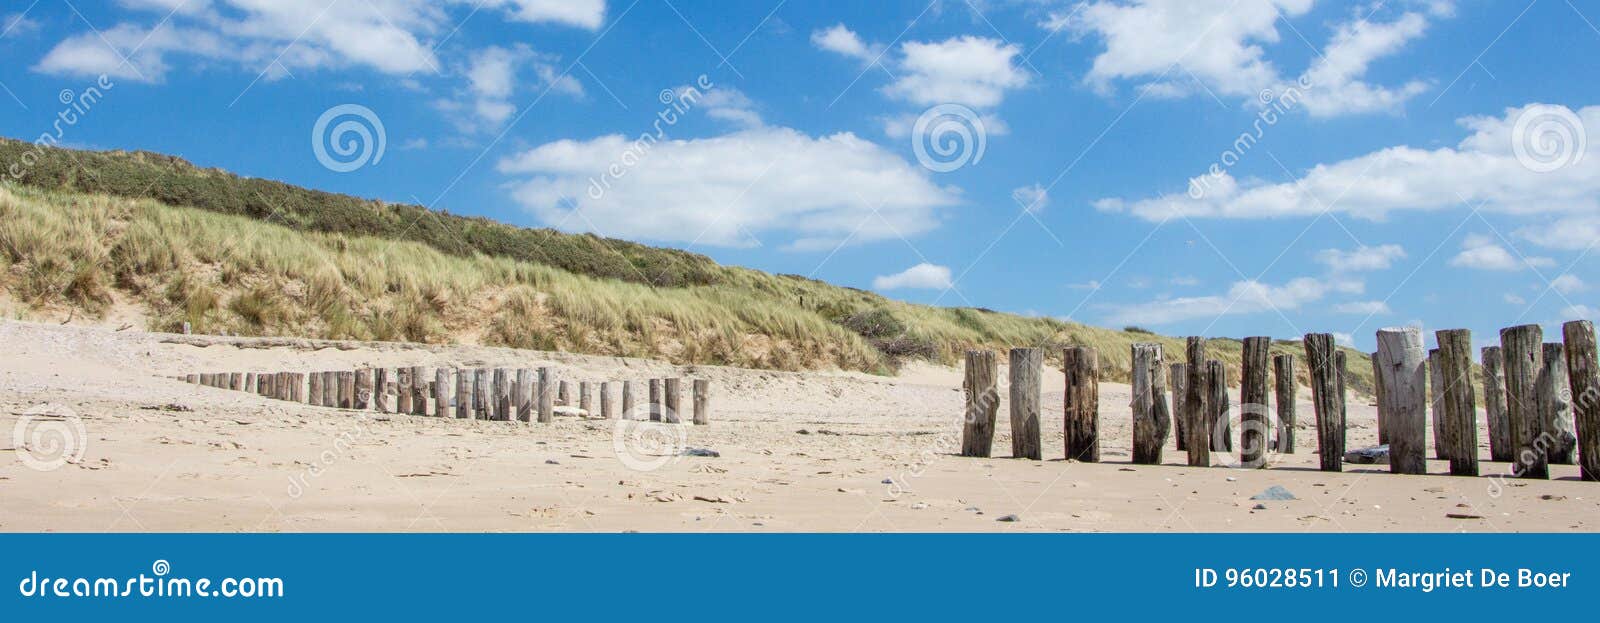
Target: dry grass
{"points": [[236, 274]]}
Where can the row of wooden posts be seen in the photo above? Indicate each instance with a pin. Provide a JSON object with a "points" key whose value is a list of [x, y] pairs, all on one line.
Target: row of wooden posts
{"points": [[506, 394], [1542, 401]]}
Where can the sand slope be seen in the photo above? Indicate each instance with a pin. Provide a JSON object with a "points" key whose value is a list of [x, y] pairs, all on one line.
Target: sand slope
{"points": [[799, 452]]}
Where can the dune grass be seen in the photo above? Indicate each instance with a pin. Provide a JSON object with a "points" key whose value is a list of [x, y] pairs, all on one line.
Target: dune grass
{"points": [[85, 253]]}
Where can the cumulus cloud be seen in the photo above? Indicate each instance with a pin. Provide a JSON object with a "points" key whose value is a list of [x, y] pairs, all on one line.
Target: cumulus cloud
{"points": [[1176, 48], [922, 276], [492, 78], [1361, 258], [17, 25], [1243, 297], [975, 71], [733, 190], [1033, 198], [1568, 283], [1368, 308], [841, 40], [1483, 169], [1483, 253]]}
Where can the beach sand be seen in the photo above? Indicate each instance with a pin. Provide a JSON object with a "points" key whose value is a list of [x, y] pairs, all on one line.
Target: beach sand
{"points": [[798, 452]]}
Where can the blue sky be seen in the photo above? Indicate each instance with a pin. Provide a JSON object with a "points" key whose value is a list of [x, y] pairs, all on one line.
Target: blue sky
{"points": [[1402, 162]]}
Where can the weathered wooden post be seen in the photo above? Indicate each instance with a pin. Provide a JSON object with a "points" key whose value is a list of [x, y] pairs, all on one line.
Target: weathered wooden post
{"points": [[380, 390], [1377, 394], [363, 388], [1081, 403], [627, 400], [1284, 391], [502, 395], [441, 392], [1522, 347], [547, 412], [1441, 449], [1326, 401], [236, 381], [346, 383], [585, 398], [1338, 371], [1180, 398], [464, 408], [329, 387], [1194, 404], [524, 390], [1584, 378], [419, 390], [1555, 404], [1218, 407], [672, 396], [192, 379], [655, 400], [482, 394], [1150, 419], [263, 383], [299, 387], [1405, 381], [1494, 406], [702, 401], [402, 390], [1026, 366], [314, 391], [981, 386], [1255, 423], [1460, 408], [562, 397], [605, 401], [250, 382]]}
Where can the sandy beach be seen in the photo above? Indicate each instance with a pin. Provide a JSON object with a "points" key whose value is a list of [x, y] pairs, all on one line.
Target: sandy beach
{"points": [[796, 452]]}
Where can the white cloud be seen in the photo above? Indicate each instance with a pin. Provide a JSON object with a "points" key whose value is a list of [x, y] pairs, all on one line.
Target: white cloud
{"points": [[1033, 198], [390, 36], [1579, 312], [1483, 169], [1514, 299], [924, 276], [1243, 297], [1361, 258], [17, 25], [1572, 233], [1179, 48], [1568, 283], [1344, 339], [492, 79], [842, 40], [1369, 308], [728, 190], [1483, 253], [975, 71], [727, 104]]}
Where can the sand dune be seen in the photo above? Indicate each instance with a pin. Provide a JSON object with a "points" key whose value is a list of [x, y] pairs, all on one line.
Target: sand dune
{"points": [[798, 452]]}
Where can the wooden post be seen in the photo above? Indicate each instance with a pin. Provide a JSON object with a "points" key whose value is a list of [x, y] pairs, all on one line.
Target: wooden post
{"points": [[1584, 379], [672, 395], [702, 401], [522, 395], [1150, 420], [1377, 394], [1194, 404], [983, 401], [562, 397], [314, 391], [1441, 449], [1255, 423], [1494, 406], [235, 381], [1522, 347], [380, 390], [402, 390], [1180, 398], [192, 379], [546, 410], [1081, 403], [1460, 409], [1218, 407], [1326, 401], [1339, 374], [502, 395], [441, 392], [605, 401], [298, 382], [655, 400], [464, 409], [1026, 366], [627, 400], [419, 390], [585, 398], [346, 385], [329, 388], [363, 389], [1405, 381], [1284, 392], [263, 383], [1555, 404], [482, 394], [250, 382]]}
